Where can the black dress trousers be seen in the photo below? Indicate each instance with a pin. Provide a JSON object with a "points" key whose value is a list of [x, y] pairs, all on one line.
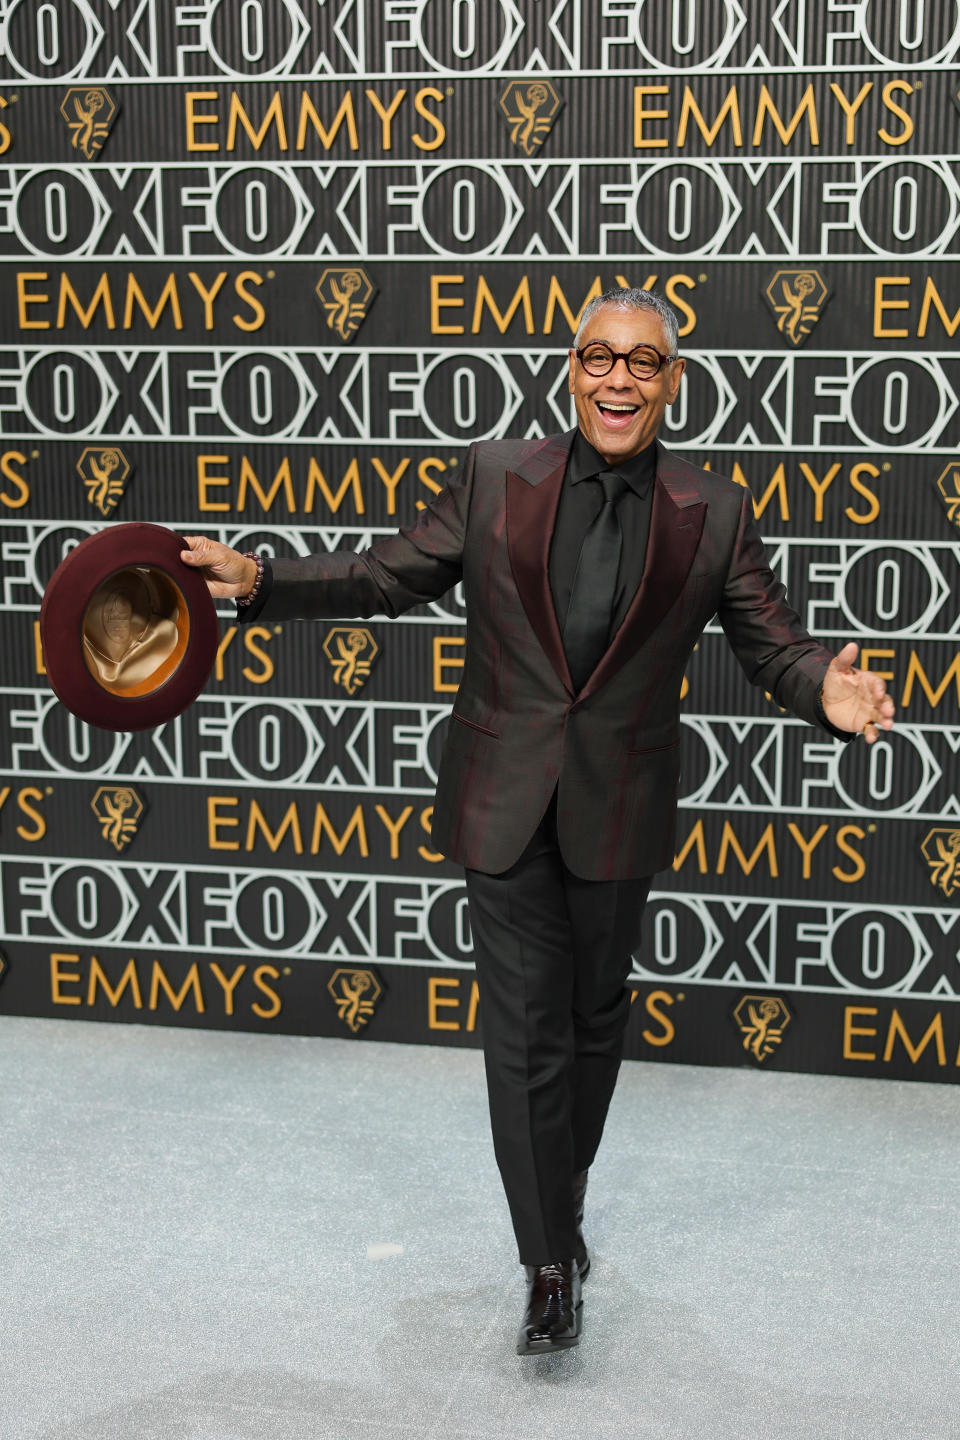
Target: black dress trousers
{"points": [[553, 952]]}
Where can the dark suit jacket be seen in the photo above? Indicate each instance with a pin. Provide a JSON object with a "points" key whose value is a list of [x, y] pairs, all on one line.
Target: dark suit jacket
{"points": [[518, 731]]}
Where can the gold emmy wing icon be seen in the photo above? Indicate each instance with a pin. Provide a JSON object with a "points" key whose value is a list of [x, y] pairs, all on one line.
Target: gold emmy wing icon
{"points": [[104, 471], [762, 1020], [530, 108], [948, 488], [346, 296], [351, 650], [941, 850], [118, 809], [355, 994], [796, 298], [89, 113]]}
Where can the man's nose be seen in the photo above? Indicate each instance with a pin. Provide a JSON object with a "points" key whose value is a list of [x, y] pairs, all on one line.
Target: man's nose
{"points": [[620, 374]]}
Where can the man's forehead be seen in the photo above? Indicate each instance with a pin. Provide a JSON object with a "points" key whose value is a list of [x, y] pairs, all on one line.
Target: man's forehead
{"points": [[613, 322], [613, 340]]}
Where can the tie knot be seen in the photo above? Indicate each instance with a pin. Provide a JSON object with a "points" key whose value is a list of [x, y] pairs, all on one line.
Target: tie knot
{"points": [[613, 485]]}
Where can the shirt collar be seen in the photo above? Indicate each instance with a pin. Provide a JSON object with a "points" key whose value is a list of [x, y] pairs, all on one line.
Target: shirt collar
{"points": [[585, 462]]}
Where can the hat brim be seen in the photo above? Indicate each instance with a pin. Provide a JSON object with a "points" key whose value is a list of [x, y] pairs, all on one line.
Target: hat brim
{"points": [[175, 652]]}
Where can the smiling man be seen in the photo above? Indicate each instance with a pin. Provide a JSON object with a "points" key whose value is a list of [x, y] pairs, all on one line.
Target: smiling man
{"points": [[591, 563], [620, 407]]}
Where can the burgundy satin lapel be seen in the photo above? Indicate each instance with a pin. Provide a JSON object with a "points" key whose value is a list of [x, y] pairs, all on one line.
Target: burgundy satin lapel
{"points": [[531, 513], [675, 532]]}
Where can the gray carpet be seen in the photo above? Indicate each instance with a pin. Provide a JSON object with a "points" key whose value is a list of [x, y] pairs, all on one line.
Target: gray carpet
{"points": [[210, 1236]]}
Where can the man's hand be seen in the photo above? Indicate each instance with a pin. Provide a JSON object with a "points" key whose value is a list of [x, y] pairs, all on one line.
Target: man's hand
{"points": [[854, 699], [229, 575]]}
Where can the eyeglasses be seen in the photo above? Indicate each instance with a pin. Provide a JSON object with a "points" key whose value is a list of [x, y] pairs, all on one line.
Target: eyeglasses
{"points": [[643, 361]]}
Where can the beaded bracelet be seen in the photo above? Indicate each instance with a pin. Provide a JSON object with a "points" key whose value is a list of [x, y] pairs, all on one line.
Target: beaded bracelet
{"points": [[253, 555]]}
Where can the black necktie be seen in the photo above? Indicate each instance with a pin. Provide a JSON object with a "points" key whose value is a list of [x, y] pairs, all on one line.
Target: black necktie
{"points": [[586, 629]]}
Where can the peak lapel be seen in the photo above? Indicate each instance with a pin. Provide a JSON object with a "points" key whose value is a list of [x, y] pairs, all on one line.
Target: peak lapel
{"points": [[533, 495], [676, 524]]}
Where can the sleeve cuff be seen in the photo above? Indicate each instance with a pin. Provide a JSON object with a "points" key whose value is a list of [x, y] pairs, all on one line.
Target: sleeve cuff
{"points": [[845, 735]]}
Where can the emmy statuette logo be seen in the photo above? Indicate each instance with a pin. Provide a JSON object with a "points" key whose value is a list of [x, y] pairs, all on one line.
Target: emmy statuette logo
{"points": [[761, 1020], [796, 299], [355, 994], [119, 810], [948, 488], [530, 107], [89, 113], [104, 470], [346, 295], [941, 850], [351, 650]]}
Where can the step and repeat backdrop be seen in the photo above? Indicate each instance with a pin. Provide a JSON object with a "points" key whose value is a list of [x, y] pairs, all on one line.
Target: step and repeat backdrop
{"points": [[267, 267]]}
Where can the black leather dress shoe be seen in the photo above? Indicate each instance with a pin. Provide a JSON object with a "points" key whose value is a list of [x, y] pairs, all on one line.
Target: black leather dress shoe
{"points": [[579, 1193], [554, 1309]]}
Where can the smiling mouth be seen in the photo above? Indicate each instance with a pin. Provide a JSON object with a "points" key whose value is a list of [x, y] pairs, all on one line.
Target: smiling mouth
{"points": [[617, 412]]}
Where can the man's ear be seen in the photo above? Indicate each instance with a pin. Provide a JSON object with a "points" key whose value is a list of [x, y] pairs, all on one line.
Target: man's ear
{"points": [[678, 367], [572, 371]]}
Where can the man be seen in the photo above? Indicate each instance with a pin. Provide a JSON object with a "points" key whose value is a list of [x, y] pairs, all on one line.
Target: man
{"points": [[591, 562]]}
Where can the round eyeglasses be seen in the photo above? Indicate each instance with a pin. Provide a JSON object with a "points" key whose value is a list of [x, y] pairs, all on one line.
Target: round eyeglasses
{"points": [[643, 361]]}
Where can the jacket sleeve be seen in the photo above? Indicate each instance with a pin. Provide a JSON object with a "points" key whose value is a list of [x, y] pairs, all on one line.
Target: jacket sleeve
{"points": [[771, 643], [417, 564]]}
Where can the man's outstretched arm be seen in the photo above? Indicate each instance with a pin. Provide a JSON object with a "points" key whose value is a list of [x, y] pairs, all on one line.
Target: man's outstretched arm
{"points": [[779, 654], [412, 567]]}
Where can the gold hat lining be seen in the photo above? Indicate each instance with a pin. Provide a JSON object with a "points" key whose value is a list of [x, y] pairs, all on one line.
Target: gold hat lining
{"points": [[135, 631]]}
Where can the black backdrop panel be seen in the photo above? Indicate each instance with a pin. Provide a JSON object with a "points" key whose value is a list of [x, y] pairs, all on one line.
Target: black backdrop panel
{"points": [[266, 270]]}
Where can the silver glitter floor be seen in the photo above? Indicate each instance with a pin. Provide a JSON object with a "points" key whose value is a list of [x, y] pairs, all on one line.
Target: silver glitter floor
{"points": [[208, 1236]]}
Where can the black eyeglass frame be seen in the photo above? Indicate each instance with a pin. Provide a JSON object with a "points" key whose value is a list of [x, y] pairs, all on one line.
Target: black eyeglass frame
{"points": [[624, 355]]}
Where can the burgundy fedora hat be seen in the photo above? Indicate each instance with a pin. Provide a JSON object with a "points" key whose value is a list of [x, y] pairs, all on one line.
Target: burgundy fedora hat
{"points": [[129, 632]]}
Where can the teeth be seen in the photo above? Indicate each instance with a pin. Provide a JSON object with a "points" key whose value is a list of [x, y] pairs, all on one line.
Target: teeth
{"points": [[604, 406]]}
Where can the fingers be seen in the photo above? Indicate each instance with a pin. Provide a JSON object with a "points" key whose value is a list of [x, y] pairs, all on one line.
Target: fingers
{"points": [[875, 687], [210, 554], [204, 551], [882, 720], [225, 572], [200, 548], [876, 695]]}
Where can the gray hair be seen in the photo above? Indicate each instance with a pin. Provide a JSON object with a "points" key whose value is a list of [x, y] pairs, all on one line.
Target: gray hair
{"points": [[634, 299]]}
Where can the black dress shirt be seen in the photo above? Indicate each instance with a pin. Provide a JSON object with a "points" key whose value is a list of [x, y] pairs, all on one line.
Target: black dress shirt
{"points": [[580, 500]]}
